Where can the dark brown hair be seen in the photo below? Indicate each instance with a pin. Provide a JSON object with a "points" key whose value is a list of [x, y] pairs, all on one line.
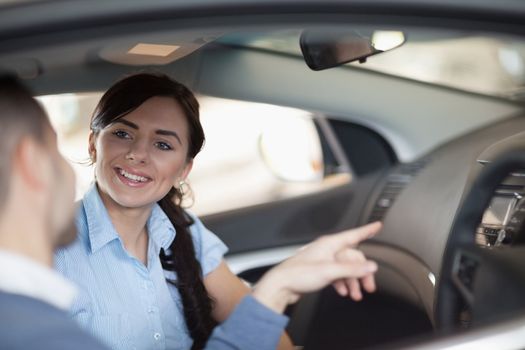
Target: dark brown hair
{"points": [[122, 98], [20, 115]]}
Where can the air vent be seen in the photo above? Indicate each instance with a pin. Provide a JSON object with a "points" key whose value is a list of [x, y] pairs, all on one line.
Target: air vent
{"points": [[395, 183], [510, 189]]}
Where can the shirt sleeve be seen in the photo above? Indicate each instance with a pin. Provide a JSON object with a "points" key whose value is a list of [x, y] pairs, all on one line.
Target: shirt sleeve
{"points": [[251, 325], [209, 248]]}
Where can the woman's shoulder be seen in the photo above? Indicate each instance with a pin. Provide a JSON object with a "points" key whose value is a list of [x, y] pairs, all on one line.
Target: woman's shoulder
{"points": [[198, 230], [209, 248]]}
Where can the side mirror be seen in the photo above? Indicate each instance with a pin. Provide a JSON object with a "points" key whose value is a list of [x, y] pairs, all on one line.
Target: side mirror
{"points": [[293, 152], [327, 48]]}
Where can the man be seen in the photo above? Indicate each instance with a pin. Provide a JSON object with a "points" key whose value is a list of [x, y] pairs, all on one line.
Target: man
{"points": [[36, 217]]}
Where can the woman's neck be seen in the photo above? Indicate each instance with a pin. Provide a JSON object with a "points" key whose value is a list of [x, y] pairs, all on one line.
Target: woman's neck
{"points": [[130, 224]]}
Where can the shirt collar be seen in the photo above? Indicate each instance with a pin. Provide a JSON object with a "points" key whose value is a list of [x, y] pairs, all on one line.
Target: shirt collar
{"points": [[24, 276], [160, 229], [101, 230]]}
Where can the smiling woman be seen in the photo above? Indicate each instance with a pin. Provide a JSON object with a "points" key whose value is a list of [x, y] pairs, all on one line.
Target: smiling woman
{"points": [[145, 133], [155, 158]]}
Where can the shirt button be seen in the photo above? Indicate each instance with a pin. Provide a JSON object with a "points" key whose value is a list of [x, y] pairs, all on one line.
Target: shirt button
{"points": [[156, 336]]}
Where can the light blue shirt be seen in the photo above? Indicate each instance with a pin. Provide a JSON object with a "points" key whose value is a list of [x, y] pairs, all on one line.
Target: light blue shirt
{"points": [[122, 302]]}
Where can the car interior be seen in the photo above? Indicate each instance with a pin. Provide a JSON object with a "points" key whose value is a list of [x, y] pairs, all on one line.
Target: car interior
{"points": [[430, 137]]}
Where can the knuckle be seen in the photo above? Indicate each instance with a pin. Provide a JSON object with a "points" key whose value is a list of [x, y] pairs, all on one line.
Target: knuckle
{"points": [[360, 255]]}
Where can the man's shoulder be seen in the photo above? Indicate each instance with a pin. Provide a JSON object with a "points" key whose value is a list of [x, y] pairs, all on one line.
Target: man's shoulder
{"points": [[31, 323], [20, 304]]}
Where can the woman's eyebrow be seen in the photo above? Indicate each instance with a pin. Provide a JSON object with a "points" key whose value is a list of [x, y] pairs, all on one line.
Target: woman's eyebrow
{"points": [[158, 132], [168, 133], [128, 123]]}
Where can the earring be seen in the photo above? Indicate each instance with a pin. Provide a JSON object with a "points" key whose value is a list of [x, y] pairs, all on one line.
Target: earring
{"points": [[186, 194], [183, 187]]}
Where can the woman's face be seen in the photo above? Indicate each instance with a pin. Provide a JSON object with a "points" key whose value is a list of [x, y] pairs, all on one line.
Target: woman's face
{"points": [[141, 156]]}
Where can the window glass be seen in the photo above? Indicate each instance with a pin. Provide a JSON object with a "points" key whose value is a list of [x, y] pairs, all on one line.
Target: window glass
{"points": [[254, 153]]}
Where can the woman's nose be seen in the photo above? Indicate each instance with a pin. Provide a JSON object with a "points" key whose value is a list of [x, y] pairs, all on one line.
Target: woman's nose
{"points": [[138, 152]]}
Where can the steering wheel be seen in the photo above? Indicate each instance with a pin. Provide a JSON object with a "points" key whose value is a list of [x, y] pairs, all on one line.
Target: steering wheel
{"points": [[478, 284]]}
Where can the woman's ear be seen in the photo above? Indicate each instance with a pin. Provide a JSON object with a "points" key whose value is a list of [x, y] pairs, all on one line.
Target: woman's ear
{"points": [[186, 170], [92, 150]]}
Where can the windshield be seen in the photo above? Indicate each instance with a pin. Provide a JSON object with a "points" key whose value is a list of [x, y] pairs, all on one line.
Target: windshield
{"points": [[472, 62]]}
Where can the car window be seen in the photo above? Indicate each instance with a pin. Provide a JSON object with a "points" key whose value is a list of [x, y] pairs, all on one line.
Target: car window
{"points": [[254, 153]]}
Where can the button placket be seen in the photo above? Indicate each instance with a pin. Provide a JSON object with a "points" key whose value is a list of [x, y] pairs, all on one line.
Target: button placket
{"points": [[153, 314]]}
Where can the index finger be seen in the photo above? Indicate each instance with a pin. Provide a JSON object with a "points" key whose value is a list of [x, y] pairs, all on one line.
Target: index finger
{"points": [[353, 237]]}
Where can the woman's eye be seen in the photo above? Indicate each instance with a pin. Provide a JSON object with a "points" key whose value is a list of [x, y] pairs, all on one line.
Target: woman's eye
{"points": [[121, 134], [163, 146]]}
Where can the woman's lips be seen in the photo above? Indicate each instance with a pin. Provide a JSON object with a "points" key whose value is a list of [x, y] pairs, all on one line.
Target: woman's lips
{"points": [[132, 179]]}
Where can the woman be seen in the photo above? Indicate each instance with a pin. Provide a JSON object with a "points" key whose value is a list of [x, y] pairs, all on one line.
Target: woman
{"points": [[150, 274]]}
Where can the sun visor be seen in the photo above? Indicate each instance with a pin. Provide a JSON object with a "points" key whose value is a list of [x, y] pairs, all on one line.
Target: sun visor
{"points": [[155, 50]]}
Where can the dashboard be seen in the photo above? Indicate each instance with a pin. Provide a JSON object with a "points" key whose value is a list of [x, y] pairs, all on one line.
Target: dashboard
{"points": [[418, 221]]}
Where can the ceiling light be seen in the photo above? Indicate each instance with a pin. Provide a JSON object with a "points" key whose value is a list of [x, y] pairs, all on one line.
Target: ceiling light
{"points": [[153, 50], [387, 40]]}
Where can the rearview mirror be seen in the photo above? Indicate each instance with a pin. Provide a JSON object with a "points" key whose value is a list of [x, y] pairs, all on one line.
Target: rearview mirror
{"points": [[326, 48]]}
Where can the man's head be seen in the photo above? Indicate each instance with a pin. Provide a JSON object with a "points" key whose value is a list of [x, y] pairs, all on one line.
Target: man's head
{"points": [[35, 180]]}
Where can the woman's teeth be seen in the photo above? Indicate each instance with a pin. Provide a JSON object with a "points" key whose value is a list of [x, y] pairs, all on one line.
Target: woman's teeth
{"points": [[132, 177]]}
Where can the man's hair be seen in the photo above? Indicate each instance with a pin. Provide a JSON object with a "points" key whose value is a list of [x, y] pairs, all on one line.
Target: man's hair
{"points": [[20, 115]]}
